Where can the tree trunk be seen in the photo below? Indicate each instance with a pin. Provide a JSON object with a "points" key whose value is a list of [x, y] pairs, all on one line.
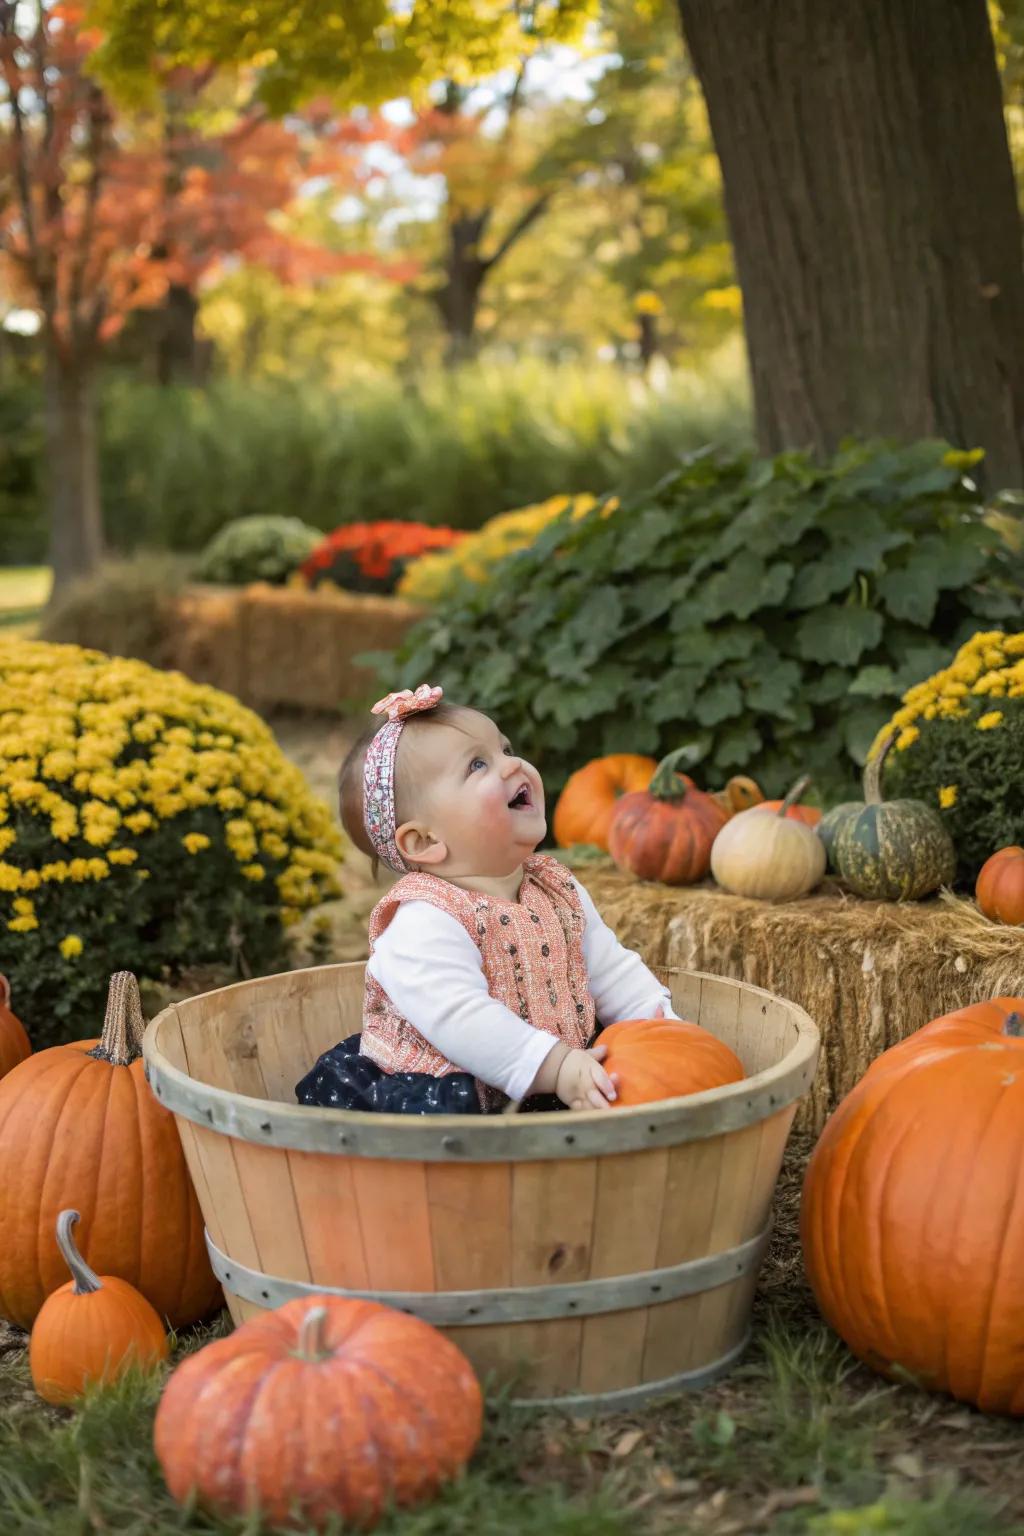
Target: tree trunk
{"points": [[177, 351], [458, 296], [647, 337], [76, 522], [871, 200]]}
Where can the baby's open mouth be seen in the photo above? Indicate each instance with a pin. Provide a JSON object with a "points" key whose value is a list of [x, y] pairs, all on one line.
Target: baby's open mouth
{"points": [[521, 800]]}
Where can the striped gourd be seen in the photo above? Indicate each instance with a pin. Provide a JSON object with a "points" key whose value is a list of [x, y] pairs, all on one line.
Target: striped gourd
{"points": [[892, 850]]}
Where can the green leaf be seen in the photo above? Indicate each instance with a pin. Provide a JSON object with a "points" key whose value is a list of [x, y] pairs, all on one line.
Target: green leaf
{"points": [[840, 634], [875, 682], [937, 561], [737, 746], [718, 702], [772, 689], [860, 727]]}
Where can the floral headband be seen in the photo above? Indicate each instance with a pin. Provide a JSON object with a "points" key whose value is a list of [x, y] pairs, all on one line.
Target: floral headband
{"points": [[379, 769]]}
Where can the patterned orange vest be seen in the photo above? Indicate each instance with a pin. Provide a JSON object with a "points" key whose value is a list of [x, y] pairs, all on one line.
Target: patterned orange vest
{"points": [[532, 955]]}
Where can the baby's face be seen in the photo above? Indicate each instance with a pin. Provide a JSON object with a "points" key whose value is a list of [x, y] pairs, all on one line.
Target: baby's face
{"points": [[478, 798]]}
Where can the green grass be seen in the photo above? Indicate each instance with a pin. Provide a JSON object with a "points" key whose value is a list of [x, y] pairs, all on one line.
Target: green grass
{"points": [[799, 1441], [24, 590]]}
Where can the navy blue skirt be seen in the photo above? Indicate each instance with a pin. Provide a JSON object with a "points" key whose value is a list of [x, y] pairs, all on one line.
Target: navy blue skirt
{"points": [[342, 1079]]}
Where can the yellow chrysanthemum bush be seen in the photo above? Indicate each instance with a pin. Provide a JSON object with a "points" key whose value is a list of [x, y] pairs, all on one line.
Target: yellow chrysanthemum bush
{"points": [[431, 577], [147, 823], [960, 746]]}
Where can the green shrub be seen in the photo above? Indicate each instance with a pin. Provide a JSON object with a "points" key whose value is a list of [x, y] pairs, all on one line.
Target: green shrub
{"points": [[147, 823], [960, 746], [447, 448], [769, 612], [124, 608], [23, 532], [257, 549]]}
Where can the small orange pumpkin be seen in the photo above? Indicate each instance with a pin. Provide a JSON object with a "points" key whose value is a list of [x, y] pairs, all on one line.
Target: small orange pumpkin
{"points": [[911, 1220], [14, 1043], [91, 1330], [808, 814], [739, 794], [665, 832], [1000, 887], [664, 1058], [587, 803], [324, 1409]]}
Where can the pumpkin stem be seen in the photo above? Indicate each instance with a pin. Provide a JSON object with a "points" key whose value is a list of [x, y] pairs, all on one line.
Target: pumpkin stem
{"points": [[1014, 1025], [5, 991], [794, 794], [873, 772], [86, 1279], [667, 783], [124, 1023], [312, 1343]]}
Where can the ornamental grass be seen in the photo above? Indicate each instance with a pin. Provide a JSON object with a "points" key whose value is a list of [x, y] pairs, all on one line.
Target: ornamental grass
{"points": [[147, 823], [960, 746]]}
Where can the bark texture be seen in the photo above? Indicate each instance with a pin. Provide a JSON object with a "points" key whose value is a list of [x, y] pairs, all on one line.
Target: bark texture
{"points": [[871, 199], [72, 466]]}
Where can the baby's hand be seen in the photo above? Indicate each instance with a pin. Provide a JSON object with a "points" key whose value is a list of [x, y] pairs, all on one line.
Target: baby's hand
{"points": [[582, 1082]]}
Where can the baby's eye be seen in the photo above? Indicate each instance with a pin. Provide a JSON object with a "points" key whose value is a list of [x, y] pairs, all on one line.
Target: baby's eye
{"points": [[478, 762], [508, 751]]}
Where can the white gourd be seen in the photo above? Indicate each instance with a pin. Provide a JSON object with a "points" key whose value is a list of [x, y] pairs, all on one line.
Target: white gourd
{"points": [[769, 857]]}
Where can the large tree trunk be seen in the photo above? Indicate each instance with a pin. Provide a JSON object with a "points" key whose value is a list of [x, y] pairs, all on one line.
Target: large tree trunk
{"points": [[871, 199], [72, 462], [177, 346]]}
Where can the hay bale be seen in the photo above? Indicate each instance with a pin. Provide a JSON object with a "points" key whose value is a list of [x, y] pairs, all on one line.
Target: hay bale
{"points": [[206, 641], [869, 973], [300, 645]]}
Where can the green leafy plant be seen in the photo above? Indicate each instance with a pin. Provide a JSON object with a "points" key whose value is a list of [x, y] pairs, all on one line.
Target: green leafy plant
{"points": [[770, 613], [257, 549]]}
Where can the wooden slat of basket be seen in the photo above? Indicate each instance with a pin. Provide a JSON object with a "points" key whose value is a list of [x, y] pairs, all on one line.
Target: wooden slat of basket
{"points": [[627, 1220], [394, 1218], [470, 1209], [325, 1200]]}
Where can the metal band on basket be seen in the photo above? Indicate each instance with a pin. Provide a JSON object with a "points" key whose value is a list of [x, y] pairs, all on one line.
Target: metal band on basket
{"points": [[515, 1304]]}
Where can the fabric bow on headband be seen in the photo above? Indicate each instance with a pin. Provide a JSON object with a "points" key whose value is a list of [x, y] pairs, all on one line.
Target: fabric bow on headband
{"points": [[379, 769]]}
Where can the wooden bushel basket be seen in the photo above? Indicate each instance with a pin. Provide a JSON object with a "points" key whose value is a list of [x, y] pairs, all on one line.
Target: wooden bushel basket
{"points": [[600, 1257]]}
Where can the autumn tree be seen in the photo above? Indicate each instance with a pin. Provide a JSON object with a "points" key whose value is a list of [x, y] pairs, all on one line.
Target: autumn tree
{"points": [[871, 200], [102, 215]]}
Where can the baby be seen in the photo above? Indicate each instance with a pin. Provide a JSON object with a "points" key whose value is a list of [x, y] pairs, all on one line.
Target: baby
{"points": [[489, 963]]}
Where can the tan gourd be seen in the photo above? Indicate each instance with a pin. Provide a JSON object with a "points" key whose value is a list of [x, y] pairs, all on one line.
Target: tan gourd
{"points": [[768, 855]]}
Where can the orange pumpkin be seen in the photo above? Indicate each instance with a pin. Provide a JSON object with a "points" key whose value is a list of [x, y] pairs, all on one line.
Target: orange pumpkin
{"points": [[79, 1127], [324, 1409], [91, 1330], [808, 814], [1000, 887], [587, 803], [739, 794], [664, 1058], [665, 832], [912, 1219], [14, 1043]]}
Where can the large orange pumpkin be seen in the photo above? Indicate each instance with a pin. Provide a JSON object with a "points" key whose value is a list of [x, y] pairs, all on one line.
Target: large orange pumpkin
{"points": [[14, 1043], [324, 1409], [912, 1218], [665, 832], [79, 1127], [664, 1058], [587, 803], [1000, 887], [91, 1330]]}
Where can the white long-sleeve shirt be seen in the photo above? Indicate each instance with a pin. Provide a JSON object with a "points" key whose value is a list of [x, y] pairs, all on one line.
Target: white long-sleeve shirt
{"points": [[433, 973]]}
